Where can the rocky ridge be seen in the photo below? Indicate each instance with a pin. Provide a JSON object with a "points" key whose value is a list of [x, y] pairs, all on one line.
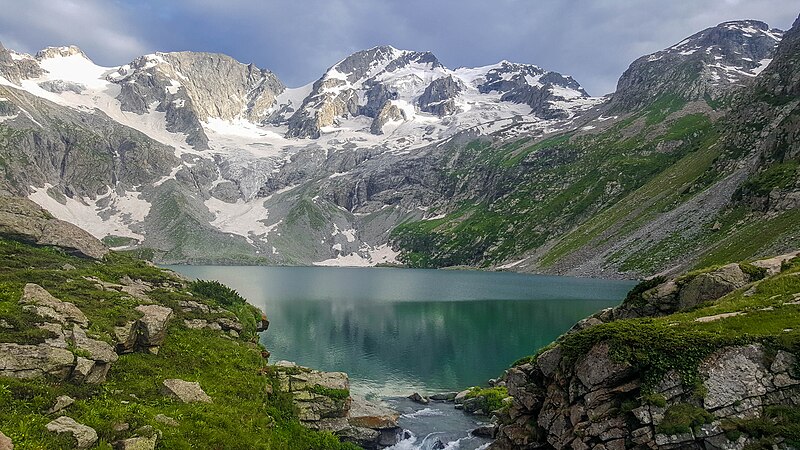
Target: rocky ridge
{"points": [[591, 389]]}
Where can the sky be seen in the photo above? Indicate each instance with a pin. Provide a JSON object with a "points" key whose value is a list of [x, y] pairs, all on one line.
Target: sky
{"points": [[594, 41]]}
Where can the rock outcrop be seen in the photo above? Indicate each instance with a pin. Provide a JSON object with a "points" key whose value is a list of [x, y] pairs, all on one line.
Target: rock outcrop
{"points": [[324, 403], [185, 391], [84, 436], [26, 221]]}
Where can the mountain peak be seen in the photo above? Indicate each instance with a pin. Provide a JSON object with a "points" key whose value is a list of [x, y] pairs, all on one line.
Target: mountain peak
{"points": [[59, 52]]}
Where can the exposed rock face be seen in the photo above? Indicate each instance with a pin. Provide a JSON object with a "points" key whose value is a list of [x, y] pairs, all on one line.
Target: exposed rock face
{"points": [[707, 63], [533, 86], [26, 221], [324, 403], [439, 96], [185, 391], [570, 407], [389, 113], [84, 436], [193, 87], [17, 67]]}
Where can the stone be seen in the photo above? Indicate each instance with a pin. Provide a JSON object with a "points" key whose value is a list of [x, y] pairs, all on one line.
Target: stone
{"points": [[152, 326], [366, 414], [33, 294], [62, 402], [461, 396], [83, 367], [734, 374], [783, 362], [120, 427], [126, 337], [84, 436], [549, 361], [166, 420], [34, 361], [416, 398], [486, 431], [5, 442], [22, 219], [98, 350], [642, 435], [363, 437], [185, 391], [598, 368], [444, 397], [673, 439], [137, 443], [711, 286]]}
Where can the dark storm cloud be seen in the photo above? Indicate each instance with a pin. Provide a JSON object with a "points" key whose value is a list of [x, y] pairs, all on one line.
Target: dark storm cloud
{"points": [[593, 41]]}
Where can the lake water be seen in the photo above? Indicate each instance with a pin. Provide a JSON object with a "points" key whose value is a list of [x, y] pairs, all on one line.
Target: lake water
{"points": [[398, 331]]}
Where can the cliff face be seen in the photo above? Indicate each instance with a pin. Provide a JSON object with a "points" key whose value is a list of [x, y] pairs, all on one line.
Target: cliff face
{"points": [[719, 371]]}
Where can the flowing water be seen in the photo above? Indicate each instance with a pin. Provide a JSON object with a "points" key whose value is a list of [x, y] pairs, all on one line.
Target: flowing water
{"points": [[398, 331]]}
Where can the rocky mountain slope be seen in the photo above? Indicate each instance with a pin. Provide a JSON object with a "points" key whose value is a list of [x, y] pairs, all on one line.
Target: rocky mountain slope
{"points": [[655, 180], [707, 360], [392, 156], [102, 350]]}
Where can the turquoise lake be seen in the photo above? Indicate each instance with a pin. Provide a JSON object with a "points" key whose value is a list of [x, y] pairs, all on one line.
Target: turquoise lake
{"points": [[397, 331]]}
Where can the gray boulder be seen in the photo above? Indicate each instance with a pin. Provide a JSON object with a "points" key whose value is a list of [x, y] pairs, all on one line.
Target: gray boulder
{"points": [[185, 391], [24, 220], [152, 326], [62, 402], [84, 436], [711, 285], [33, 361], [49, 307]]}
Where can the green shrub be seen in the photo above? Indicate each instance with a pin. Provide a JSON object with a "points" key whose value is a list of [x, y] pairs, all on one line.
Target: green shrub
{"points": [[683, 418], [755, 273], [214, 290], [492, 398], [634, 297], [336, 394]]}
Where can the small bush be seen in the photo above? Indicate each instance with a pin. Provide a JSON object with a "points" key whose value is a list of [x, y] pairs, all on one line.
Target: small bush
{"points": [[634, 297], [683, 418], [214, 290], [492, 397], [755, 273], [336, 394]]}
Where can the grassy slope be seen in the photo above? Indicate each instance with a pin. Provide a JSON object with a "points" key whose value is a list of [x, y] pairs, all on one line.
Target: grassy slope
{"points": [[242, 415], [595, 180]]}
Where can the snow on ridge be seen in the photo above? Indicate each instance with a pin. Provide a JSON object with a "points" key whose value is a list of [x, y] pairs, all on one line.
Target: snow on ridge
{"points": [[122, 210], [367, 256]]}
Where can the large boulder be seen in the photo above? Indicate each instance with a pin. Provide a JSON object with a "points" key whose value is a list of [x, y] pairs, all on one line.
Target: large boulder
{"points": [[151, 328], [185, 391], [711, 285], [50, 308], [84, 436], [24, 220], [33, 361]]}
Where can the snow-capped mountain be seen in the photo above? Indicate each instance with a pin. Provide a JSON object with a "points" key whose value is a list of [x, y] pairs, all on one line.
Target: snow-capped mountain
{"points": [[201, 157], [395, 87]]}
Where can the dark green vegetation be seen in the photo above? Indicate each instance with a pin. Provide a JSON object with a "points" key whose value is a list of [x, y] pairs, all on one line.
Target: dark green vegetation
{"points": [[683, 418], [491, 399], [778, 422], [247, 412], [622, 175]]}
